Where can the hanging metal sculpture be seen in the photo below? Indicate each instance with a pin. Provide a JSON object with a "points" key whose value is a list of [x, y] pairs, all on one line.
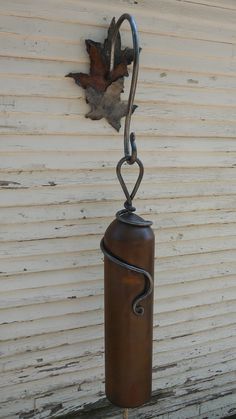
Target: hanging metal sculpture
{"points": [[128, 243], [128, 247]]}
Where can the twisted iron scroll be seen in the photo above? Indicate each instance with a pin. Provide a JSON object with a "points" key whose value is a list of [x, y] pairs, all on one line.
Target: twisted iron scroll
{"points": [[137, 309]]}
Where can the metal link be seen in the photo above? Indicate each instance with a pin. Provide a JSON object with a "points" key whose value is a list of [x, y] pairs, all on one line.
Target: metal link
{"points": [[129, 197]]}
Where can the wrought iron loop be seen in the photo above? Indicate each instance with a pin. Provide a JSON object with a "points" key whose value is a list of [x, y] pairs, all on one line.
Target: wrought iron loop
{"points": [[137, 308], [129, 197]]}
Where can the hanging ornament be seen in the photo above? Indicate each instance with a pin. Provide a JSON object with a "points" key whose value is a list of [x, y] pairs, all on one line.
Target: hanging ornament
{"points": [[128, 247]]}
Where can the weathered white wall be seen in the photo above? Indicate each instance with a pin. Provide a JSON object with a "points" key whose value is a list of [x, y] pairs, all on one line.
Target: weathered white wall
{"points": [[59, 192]]}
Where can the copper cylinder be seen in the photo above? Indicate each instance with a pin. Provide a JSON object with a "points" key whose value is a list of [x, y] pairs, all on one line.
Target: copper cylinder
{"points": [[128, 336]]}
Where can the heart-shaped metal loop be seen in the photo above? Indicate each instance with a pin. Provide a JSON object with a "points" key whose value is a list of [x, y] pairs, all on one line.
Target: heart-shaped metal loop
{"points": [[129, 197]]}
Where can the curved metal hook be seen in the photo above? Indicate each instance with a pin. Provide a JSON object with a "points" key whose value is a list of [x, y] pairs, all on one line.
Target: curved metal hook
{"points": [[127, 136]]}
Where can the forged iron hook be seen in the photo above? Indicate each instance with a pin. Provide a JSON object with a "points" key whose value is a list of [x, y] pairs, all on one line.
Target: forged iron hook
{"points": [[129, 139], [130, 157]]}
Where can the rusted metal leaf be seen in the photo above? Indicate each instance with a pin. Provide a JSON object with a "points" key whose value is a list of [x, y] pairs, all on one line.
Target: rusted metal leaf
{"points": [[107, 104], [104, 87]]}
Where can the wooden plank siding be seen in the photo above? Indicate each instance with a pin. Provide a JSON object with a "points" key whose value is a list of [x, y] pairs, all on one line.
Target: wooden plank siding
{"points": [[59, 193]]}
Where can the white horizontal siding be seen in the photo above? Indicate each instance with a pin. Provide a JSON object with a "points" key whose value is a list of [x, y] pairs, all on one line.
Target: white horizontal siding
{"points": [[59, 192]]}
